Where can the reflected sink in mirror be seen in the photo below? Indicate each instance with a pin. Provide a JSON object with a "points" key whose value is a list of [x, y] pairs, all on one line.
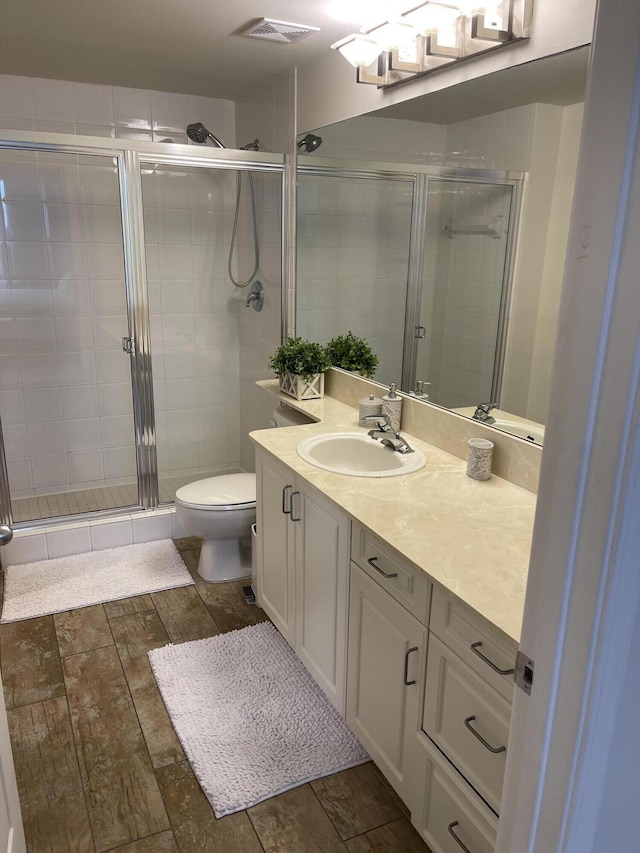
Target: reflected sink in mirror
{"points": [[357, 455], [508, 422], [531, 431]]}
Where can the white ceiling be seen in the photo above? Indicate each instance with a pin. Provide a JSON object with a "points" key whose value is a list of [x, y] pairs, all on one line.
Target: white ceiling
{"points": [[187, 46]]}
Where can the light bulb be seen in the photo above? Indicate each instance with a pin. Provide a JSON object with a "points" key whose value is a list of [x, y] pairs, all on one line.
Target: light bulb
{"points": [[432, 18], [358, 50], [393, 35]]}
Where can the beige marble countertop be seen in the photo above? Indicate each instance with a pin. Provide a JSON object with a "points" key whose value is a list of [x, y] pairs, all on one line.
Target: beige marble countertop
{"points": [[471, 537]]}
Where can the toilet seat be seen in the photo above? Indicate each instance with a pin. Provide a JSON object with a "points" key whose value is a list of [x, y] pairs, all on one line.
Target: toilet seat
{"points": [[225, 493]]}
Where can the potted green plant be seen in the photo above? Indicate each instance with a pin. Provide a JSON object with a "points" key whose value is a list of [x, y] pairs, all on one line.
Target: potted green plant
{"points": [[300, 366], [352, 353]]}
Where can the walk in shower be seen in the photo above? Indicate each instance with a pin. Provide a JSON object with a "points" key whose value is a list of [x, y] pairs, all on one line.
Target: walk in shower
{"points": [[119, 325], [416, 260]]}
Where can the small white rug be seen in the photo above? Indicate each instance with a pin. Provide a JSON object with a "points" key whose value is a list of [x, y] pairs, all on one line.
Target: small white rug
{"points": [[251, 720], [65, 583]]}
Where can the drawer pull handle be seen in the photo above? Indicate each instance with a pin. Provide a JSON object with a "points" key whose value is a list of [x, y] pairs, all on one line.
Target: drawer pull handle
{"points": [[293, 494], [496, 750], [372, 562], [474, 649], [284, 500], [451, 827], [408, 683]]}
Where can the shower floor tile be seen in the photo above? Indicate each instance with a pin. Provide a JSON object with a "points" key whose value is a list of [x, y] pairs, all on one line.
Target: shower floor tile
{"points": [[108, 706], [93, 500]]}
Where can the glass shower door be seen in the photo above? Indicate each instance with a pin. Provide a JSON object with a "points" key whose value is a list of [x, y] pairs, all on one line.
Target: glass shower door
{"points": [[65, 382], [464, 295]]}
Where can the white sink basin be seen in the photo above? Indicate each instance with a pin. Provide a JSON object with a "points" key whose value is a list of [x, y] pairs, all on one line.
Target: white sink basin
{"points": [[357, 455], [530, 431]]}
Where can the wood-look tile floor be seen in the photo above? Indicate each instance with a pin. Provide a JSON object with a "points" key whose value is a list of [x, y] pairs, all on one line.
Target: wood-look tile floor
{"points": [[98, 763]]}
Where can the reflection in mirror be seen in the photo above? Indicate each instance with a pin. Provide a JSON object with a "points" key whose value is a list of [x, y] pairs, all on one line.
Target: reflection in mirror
{"points": [[524, 120], [353, 259]]}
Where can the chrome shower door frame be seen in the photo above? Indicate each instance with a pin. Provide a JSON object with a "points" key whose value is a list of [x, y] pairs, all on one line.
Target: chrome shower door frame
{"points": [[129, 157]]}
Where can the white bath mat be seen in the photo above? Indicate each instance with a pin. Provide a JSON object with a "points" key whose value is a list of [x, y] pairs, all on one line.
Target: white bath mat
{"points": [[65, 583], [251, 720]]}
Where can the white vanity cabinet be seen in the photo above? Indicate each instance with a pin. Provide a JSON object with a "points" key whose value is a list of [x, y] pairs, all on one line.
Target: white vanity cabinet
{"points": [[386, 660], [303, 571], [466, 715]]}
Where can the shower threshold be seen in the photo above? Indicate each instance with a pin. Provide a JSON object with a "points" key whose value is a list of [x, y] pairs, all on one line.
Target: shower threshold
{"points": [[80, 501]]}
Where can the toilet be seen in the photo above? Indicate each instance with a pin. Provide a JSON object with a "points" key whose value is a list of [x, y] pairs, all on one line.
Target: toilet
{"points": [[220, 510]]}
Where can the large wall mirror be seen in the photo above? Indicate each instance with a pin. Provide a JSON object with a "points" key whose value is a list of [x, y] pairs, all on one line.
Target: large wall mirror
{"points": [[437, 229]]}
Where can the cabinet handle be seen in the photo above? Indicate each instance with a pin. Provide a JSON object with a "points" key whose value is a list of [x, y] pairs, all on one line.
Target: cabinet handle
{"points": [[372, 562], [293, 494], [496, 750], [474, 649], [284, 500], [406, 666], [451, 827]]}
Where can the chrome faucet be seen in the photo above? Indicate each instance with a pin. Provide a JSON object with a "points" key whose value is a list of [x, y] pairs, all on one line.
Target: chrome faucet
{"points": [[383, 423], [397, 443], [387, 436], [482, 413]]}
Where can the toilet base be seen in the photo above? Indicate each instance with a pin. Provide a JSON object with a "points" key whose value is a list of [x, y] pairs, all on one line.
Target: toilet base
{"points": [[225, 560]]}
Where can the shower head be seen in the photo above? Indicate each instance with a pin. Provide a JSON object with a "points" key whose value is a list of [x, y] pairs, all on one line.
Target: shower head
{"points": [[197, 132], [310, 143]]}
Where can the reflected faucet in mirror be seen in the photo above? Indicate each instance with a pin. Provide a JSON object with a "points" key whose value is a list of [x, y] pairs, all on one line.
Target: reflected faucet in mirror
{"points": [[482, 413]]}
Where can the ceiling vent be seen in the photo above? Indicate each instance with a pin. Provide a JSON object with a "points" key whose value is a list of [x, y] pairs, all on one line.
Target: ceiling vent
{"points": [[281, 31]]}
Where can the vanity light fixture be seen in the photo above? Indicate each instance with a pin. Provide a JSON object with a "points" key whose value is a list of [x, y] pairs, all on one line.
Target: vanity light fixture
{"points": [[430, 35]]}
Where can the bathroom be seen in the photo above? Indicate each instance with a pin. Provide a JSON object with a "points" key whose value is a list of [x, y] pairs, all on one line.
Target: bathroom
{"points": [[96, 112]]}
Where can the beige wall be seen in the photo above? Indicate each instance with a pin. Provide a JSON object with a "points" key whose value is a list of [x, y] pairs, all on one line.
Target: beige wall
{"points": [[554, 261]]}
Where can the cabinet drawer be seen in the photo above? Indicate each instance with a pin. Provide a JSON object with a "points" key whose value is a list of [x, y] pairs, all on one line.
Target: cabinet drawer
{"points": [[468, 720], [452, 817], [479, 643], [403, 581]]}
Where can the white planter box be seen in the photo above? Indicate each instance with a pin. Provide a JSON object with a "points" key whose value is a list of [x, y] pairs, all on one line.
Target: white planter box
{"points": [[296, 386]]}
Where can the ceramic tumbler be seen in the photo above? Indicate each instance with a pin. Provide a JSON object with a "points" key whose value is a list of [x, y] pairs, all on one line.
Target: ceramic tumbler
{"points": [[479, 458]]}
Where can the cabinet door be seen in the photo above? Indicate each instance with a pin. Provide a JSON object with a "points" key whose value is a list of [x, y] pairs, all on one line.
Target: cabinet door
{"points": [[276, 544], [451, 817], [322, 591], [385, 680]]}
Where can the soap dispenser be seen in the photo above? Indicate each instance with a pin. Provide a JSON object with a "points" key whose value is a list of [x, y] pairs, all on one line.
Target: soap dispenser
{"points": [[392, 407], [420, 393]]}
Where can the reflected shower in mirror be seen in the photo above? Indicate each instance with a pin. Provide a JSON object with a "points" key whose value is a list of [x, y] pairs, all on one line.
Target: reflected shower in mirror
{"points": [[480, 340]]}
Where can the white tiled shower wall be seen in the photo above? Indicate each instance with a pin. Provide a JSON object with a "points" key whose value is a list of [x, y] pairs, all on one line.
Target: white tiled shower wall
{"points": [[57, 106], [65, 384]]}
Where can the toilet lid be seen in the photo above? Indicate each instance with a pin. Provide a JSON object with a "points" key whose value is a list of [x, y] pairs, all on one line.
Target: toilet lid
{"points": [[218, 493]]}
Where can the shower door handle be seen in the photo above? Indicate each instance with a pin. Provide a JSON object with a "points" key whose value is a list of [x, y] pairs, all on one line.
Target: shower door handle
{"points": [[421, 332], [128, 346]]}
